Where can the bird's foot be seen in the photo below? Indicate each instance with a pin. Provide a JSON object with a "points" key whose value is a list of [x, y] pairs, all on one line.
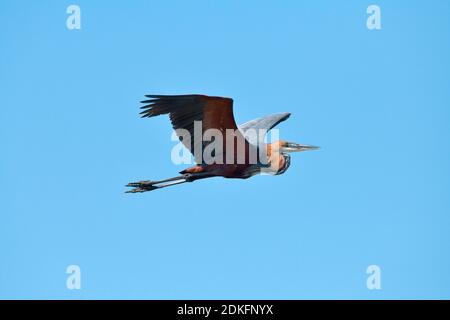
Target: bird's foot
{"points": [[141, 186], [148, 185]]}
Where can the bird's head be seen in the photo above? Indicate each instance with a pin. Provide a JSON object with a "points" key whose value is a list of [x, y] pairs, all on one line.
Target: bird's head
{"points": [[278, 154]]}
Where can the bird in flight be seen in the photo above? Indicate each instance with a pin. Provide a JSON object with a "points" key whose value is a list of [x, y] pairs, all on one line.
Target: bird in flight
{"points": [[235, 151]]}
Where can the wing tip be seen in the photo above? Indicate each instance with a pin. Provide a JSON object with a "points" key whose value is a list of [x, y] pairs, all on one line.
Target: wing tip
{"points": [[283, 116]]}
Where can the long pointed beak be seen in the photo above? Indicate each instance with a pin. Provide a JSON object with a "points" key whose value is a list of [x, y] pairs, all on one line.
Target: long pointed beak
{"points": [[296, 147]]}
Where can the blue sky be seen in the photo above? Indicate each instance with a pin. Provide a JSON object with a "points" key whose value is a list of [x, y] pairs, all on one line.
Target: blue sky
{"points": [[377, 102]]}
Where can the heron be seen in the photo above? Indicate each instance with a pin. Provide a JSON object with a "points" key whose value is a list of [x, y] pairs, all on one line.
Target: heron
{"points": [[191, 111]]}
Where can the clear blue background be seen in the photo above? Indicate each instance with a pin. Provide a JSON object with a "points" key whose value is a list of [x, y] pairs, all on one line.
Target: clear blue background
{"points": [[377, 102]]}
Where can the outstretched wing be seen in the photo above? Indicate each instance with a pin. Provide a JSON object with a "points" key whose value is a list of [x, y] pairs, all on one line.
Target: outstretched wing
{"points": [[263, 123], [184, 110]]}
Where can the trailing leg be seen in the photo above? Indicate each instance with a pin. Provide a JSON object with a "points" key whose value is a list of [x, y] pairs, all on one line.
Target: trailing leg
{"points": [[148, 185]]}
